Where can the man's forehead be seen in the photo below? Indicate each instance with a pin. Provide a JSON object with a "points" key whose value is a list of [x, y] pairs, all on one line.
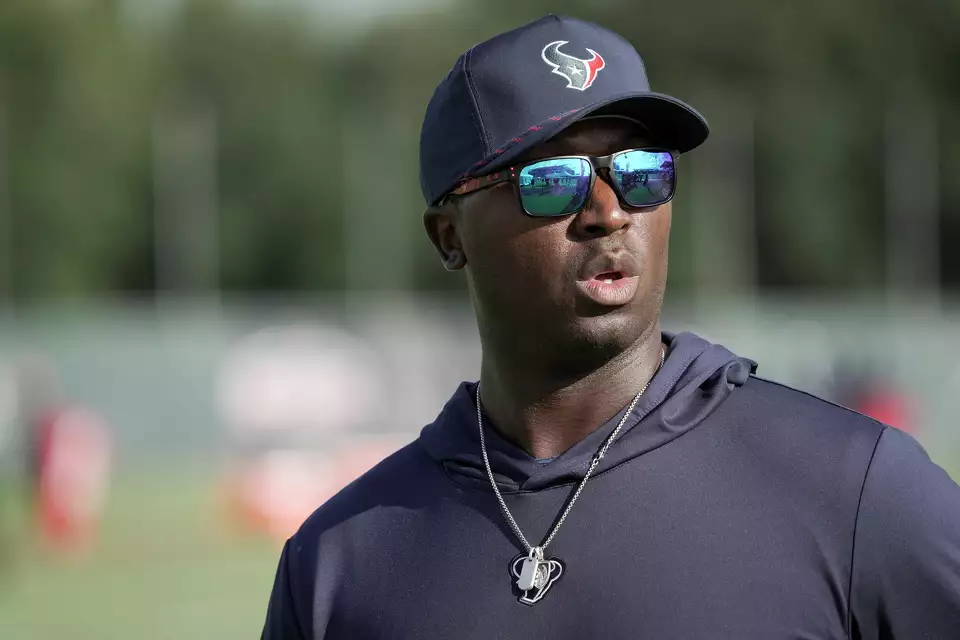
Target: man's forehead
{"points": [[599, 135]]}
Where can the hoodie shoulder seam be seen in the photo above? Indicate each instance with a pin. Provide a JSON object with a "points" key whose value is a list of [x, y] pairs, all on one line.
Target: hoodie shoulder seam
{"points": [[856, 522]]}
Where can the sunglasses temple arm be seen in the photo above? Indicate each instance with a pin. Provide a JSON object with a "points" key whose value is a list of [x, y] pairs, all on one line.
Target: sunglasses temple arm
{"points": [[475, 184]]}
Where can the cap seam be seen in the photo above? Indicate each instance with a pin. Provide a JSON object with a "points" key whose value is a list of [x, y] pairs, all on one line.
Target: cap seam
{"points": [[491, 155], [475, 101]]}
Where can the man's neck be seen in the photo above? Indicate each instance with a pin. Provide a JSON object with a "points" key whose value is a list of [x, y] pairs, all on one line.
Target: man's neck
{"points": [[544, 415]]}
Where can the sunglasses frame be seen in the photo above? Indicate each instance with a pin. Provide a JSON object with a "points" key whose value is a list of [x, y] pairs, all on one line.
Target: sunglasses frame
{"points": [[597, 163]]}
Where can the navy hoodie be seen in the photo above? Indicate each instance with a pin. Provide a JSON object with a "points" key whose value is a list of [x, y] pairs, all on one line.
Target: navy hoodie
{"points": [[728, 507]]}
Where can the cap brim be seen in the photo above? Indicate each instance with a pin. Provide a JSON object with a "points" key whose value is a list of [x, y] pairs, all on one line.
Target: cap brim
{"points": [[672, 124]]}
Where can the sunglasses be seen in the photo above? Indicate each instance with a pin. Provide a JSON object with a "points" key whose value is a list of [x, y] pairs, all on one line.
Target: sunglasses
{"points": [[560, 186]]}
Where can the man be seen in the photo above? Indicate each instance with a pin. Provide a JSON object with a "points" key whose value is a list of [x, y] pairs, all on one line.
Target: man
{"points": [[616, 481]]}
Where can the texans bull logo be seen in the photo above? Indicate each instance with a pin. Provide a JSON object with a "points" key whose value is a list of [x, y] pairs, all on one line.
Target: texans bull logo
{"points": [[580, 74]]}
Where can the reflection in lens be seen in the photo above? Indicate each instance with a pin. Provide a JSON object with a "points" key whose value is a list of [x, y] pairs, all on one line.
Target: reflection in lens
{"points": [[645, 177], [554, 187]]}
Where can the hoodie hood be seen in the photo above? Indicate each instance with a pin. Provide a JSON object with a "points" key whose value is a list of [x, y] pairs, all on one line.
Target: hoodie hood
{"points": [[696, 378]]}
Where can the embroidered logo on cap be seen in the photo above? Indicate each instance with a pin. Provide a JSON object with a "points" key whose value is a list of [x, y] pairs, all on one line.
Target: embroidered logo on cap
{"points": [[580, 74]]}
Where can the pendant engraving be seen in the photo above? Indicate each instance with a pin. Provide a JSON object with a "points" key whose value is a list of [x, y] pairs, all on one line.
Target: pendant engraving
{"points": [[534, 576]]}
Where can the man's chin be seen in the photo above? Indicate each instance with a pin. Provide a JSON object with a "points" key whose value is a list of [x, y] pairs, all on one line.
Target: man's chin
{"points": [[611, 333]]}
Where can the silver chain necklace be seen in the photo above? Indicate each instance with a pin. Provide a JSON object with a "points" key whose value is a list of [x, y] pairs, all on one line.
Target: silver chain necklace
{"points": [[535, 574]]}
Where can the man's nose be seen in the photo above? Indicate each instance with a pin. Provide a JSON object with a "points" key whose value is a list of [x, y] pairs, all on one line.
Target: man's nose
{"points": [[602, 214]]}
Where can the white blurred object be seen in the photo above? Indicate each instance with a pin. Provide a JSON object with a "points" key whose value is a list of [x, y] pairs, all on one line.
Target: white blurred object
{"points": [[302, 377]]}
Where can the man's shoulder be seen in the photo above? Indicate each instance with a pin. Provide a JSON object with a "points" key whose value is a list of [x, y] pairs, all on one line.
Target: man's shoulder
{"points": [[792, 405], [397, 481], [791, 429]]}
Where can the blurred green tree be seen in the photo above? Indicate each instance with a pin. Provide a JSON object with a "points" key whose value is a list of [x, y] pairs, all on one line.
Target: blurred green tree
{"points": [[72, 95], [316, 131]]}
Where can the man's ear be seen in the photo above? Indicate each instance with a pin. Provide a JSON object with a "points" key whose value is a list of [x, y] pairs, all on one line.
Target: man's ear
{"points": [[443, 228]]}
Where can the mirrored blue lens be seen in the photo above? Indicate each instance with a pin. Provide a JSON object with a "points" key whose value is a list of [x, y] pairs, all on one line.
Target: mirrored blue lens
{"points": [[555, 187], [645, 178]]}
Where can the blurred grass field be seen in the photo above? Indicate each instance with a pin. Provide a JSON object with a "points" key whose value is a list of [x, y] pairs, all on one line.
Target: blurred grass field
{"points": [[166, 566]]}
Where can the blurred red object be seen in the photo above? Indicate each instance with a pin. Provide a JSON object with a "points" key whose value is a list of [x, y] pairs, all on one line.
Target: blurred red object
{"points": [[274, 491], [73, 463], [888, 406]]}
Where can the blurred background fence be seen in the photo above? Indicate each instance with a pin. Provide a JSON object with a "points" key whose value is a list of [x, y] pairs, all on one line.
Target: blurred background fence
{"points": [[214, 276]]}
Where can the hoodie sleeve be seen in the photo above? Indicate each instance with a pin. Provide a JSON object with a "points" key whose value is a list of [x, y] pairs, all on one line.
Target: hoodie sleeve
{"points": [[905, 580], [283, 619]]}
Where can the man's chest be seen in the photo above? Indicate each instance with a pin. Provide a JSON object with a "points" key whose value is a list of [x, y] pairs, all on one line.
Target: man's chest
{"points": [[639, 572], [463, 600]]}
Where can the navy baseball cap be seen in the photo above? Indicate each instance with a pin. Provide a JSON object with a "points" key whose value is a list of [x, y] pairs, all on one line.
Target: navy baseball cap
{"points": [[520, 88]]}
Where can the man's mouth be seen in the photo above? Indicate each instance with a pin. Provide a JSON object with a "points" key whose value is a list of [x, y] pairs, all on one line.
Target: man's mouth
{"points": [[610, 288], [608, 277]]}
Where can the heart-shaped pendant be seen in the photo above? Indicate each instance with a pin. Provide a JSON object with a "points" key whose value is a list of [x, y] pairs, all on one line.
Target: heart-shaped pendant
{"points": [[544, 574]]}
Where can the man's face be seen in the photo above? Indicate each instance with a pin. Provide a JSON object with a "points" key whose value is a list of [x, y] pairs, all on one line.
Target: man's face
{"points": [[592, 280]]}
